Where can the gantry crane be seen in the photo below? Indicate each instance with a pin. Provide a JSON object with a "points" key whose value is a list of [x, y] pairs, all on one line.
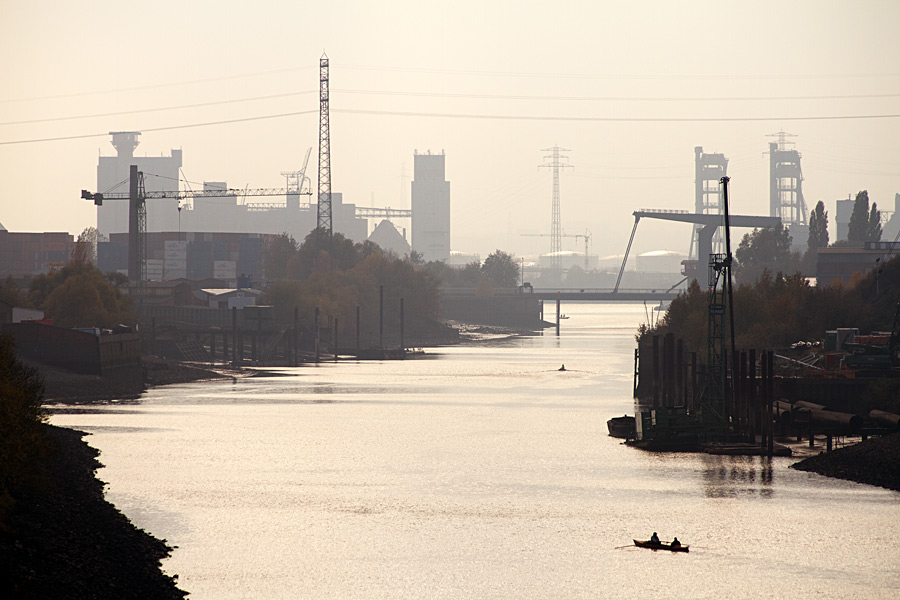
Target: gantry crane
{"points": [[586, 235], [137, 212], [295, 180]]}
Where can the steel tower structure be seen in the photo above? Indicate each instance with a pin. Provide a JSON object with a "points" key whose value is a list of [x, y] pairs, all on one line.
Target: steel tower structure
{"points": [[786, 182], [323, 210], [709, 169], [555, 227]]}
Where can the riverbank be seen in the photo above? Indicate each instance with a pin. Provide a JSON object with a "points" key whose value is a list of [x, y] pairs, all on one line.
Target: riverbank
{"points": [[64, 540], [61, 538], [875, 461], [61, 386]]}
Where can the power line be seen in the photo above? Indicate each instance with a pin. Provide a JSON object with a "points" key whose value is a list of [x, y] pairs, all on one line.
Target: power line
{"points": [[159, 109], [618, 77], [494, 117], [150, 129], [467, 96], [612, 119], [153, 85], [621, 98]]}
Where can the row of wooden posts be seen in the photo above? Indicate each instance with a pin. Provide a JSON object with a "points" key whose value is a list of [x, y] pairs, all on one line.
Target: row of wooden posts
{"points": [[676, 382], [291, 336]]}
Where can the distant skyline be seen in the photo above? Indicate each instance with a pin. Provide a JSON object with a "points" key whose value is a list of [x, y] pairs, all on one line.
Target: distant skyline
{"points": [[629, 88]]}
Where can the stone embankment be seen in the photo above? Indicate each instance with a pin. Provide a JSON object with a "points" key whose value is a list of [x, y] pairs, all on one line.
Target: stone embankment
{"points": [[64, 540], [875, 461]]}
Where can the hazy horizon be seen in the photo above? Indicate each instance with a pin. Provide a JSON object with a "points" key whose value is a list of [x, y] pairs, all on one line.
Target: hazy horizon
{"points": [[628, 89]]}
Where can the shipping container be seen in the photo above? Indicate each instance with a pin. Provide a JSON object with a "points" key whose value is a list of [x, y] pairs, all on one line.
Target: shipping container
{"points": [[176, 245]]}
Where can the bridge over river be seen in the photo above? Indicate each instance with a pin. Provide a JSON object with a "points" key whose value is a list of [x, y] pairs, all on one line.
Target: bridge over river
{"points": [[604, 295], [571, 294]]}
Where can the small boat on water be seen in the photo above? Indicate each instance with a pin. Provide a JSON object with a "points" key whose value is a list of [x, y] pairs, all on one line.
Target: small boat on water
{"points": [[661, 546], [621, 427], [563, 316]]}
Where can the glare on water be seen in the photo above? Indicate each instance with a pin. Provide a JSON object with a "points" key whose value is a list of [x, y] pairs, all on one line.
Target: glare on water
{"points": [[480, 471]]}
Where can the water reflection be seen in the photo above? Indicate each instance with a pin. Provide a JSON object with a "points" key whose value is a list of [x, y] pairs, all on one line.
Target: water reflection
{"points": [[734, 476]]}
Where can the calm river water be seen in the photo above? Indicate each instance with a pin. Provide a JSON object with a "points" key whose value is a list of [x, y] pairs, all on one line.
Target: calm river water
{"points": [[479, 472]]}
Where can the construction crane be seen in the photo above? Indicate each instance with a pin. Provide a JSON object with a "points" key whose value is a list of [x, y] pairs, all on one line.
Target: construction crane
{"points": [[137, 212], [586, 236], [295, 180], [714, 407]]}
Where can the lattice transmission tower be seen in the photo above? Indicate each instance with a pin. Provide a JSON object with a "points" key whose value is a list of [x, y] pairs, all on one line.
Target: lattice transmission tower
{"points": [[555, 227], [323, 210]]}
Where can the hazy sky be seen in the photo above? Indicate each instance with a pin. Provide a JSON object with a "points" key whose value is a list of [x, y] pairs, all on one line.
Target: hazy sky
{"points": [[629, 88]]}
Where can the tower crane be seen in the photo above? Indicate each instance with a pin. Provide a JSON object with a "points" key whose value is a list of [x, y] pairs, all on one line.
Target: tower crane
{"points": [[586, 236], [137, 212]]}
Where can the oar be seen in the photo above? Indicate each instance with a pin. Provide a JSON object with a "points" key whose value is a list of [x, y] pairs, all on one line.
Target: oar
{"points": [[628, 546]]}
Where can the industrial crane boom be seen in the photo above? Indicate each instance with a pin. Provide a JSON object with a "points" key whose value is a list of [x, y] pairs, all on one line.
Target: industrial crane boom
{"points": [[98, 198], [137, 212]]}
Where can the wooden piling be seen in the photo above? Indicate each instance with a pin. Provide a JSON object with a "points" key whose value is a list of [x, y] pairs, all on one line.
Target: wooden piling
{"points": [[742, 428], [770, 386], [655, 363], [752, 396], [680, 394], [557, 313], [762, 391], [234, 336], [316, 332], [669, 369], [295, 336], [694, 379], [635, 377]]}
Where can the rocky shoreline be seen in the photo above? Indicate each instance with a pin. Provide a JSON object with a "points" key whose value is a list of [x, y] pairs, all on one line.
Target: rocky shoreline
{"points": [[875, 461], [64, 540]]}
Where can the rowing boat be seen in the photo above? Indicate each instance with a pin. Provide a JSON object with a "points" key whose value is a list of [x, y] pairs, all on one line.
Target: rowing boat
{"points": [[661, 546]]}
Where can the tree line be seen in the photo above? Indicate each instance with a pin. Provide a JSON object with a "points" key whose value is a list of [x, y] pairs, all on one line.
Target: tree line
{"points": [[78, 294], [355, 275], [769, 249]]}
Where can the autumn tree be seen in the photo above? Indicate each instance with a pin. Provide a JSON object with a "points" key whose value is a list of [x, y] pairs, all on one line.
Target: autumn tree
{"points": [[277, 254], [865, 223], [358, 272], [86, 243], [873, 229], [818, 236], [78, 295], [766, 249], [501, 269], [10, 293], [818, 228]]}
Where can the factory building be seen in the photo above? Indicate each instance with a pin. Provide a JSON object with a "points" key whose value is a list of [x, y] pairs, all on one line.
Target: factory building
{"points": [[161, 173], [430, 207], [231, 213]]}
